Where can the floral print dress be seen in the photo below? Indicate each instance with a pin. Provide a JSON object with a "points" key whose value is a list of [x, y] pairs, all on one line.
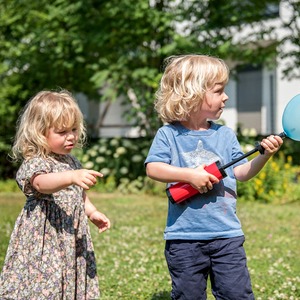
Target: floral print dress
{"points": [[50, 254]]}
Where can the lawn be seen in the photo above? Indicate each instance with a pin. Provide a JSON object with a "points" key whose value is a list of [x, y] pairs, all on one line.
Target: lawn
{"points": [[130, 257]]}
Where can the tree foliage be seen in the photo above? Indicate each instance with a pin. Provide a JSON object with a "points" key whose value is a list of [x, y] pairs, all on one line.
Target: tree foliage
{"points": [[107, 49]]}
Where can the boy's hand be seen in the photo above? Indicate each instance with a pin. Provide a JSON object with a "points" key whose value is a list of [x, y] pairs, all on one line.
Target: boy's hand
{"points": [[271, 144], [85, 178], [100, 220], [202, 180]]}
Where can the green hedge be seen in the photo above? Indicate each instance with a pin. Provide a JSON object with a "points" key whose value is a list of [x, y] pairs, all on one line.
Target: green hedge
{"points": [[277, 182], [121, 161]]}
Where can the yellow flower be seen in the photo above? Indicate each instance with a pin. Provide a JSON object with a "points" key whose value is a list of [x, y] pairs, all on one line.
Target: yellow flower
{"points": [[262, 175], [260, 191]]}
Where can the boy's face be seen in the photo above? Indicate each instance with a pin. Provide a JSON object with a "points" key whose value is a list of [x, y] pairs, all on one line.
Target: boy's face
{"points": [[214, 102]]}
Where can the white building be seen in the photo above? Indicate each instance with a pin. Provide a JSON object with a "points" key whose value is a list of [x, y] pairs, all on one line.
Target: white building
{"points": [[257, 96]]}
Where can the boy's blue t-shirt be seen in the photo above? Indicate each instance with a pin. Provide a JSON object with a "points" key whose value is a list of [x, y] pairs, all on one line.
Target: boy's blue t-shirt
{"points": [[204, 216]]}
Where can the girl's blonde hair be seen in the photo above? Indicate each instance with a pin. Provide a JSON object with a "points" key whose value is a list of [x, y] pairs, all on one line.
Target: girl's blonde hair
{"points": [[46, 110], [184, 83]]}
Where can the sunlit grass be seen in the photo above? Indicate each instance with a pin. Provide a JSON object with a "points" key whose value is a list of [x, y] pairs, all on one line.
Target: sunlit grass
{"points": [[130, 257]]}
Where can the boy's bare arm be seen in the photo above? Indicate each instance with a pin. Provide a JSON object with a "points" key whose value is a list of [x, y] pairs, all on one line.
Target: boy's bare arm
{"points": [[250, 169], [197, 177]]}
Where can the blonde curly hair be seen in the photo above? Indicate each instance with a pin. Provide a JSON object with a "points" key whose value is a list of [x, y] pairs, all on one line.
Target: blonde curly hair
{"points": [[184, 83], [47, 109]]}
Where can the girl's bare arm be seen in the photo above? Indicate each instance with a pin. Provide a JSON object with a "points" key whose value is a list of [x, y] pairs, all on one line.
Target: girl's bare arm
{"points": [[96, 217], [54, 182]]}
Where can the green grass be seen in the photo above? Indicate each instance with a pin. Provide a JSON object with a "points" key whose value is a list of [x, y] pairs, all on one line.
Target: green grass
{"points": [[130, 256]]}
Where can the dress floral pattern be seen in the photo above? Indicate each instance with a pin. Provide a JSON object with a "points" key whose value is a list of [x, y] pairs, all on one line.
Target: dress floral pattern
{"points": [[50, 254]]}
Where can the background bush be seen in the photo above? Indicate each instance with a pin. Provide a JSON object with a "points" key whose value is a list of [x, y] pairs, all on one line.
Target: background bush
{"points": [[121, 160], [276, 182]]}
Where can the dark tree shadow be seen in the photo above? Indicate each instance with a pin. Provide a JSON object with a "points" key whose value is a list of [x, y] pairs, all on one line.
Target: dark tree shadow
{"points": [[163, 295], [61, 221]]}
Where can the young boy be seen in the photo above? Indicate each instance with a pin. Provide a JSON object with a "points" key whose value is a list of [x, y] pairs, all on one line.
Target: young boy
{"points": [[203, 234]]}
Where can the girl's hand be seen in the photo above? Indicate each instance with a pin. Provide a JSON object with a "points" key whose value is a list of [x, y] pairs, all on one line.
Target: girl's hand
{"points": [[100, 220], [85, 178], [271, 144], [202, 180]]}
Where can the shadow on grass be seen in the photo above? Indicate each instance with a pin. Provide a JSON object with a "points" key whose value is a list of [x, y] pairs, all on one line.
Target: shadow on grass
{"points": [[164, 295]]}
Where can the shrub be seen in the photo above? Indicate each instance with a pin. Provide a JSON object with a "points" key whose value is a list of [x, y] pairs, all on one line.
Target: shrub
{"points": [[276, 182], [118, 158], [9, 185], [121, 161]]}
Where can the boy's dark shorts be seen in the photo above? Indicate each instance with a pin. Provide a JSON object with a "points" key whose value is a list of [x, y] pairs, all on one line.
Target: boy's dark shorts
{"points": [[224, 260]]}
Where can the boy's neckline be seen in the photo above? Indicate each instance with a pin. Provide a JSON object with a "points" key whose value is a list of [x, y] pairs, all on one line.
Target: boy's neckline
{"points": [[201, 128]]}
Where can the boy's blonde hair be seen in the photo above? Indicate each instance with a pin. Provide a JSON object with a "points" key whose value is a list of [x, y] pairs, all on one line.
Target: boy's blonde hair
{"points": [[184, 83], [46, 110]]}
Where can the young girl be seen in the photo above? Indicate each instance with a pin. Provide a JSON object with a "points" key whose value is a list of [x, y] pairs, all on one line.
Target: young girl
{"points": [[203, 234], [50, 254]]}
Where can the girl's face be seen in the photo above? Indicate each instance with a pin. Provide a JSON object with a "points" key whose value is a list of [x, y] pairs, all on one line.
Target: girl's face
{"points": [[62, 141], [214, 102]]}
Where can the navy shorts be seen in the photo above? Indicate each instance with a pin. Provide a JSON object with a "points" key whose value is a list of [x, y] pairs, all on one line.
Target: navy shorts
{"points": [[224, 260]]}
